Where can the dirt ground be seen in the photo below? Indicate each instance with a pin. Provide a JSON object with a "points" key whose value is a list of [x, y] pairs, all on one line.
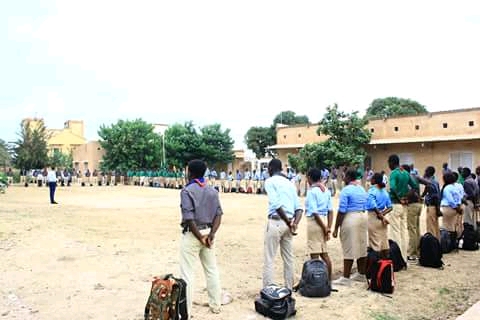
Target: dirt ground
{"points": [[93, 257]]}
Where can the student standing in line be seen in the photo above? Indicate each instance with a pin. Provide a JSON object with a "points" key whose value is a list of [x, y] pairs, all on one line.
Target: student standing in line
{"points": [[378, 205], [319, 213], [352, 220], [284, 214]]}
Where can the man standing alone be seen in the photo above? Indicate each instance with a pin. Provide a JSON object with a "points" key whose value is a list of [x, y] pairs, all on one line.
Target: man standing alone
{"points": [[201, 218], [284, 214], [52, 184]]}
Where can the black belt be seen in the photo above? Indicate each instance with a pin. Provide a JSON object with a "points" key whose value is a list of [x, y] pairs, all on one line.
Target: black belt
{"points": [[274, 217]]}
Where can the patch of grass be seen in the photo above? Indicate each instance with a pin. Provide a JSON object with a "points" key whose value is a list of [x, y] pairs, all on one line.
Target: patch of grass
{"points": [[443, 291], [382, 316]]}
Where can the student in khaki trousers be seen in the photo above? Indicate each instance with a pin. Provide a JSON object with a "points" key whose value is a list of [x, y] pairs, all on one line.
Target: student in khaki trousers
{"points": [[200, 224]]}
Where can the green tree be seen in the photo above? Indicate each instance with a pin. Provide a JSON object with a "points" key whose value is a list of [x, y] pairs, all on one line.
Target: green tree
{"points": [[5, 157], [393, 106], [30, 151], [258, 139], [130, 145], [61, 160], [346, 137], [183, 142], [289, 118], [217, 145]]}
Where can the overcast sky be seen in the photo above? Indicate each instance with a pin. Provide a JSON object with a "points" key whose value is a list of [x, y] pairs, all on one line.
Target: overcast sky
{"points": [[237, 63]]}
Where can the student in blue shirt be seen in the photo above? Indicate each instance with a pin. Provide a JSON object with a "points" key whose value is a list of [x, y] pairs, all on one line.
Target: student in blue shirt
{"points": [[352, 222], [450, 205], [318, 210], [378, 205]]}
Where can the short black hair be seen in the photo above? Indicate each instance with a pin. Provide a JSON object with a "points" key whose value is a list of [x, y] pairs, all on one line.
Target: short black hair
{"points": [[314, 174], [351, 175], [275, 165], [455, 174], [197, 168], [466, 172], [378, 179], [430, 171], [449, 178], [406, 167], [394, 159]]}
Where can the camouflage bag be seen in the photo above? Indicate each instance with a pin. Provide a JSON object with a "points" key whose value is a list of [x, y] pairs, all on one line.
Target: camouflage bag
{"points": [[167, 300]]}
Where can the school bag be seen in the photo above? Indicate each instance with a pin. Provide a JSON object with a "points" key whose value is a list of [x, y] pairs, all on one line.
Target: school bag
{"points": [[167, 299], [396, 256], [315, 281], [468, 240], [275, 302], [380, 274], [430, 251], [446, 242]]}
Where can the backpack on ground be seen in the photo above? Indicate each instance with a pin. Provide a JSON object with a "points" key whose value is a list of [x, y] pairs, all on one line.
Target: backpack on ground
{"points": [[446, 242], [167, 300], [430, 251], [468, 240], [396, 256], [315, 281], [380, 274], [275, 302]]}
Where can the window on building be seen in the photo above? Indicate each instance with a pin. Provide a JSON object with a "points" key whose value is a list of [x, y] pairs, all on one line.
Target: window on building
{"points": [[56, 150], [372, 130], [471, 123], [284, 136], [445, 125], [396, 128], [299, 135], [461, 159], [417, 127], [406, 158]]}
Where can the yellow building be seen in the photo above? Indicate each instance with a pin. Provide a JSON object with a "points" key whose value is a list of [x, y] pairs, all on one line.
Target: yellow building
{"points": [[434, 138], [62, 140]]}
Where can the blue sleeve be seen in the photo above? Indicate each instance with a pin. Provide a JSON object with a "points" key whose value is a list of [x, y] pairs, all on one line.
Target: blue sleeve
{"points": [[308, 202], [372, 201], [330, 202], [343, 201], [388, 201], [273, 196]]}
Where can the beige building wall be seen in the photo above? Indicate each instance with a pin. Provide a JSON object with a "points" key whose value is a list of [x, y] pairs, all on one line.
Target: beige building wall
{"points": [[430, 139], [88, 155]]}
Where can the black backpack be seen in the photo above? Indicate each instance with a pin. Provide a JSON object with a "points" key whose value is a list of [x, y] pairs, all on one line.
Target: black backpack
{"points": [[430, 251], [315, 281], [396, 256], [446, 241], [275, 302], [469, 238], [381, 277]]}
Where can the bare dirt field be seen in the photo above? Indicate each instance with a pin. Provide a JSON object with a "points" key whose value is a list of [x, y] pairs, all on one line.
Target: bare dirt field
{"points": [[93, 257]]}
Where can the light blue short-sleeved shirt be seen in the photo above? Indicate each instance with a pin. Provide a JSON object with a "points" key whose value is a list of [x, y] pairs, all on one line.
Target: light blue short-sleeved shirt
{"points": [[318, 202], [451, 196], [352, 198], [378, 198], [281, 194]]}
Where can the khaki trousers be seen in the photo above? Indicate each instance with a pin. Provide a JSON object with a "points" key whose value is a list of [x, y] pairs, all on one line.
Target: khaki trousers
{"points": [[278, 234], [397, 230], [190, 250], [414, 210], [432, 222]]}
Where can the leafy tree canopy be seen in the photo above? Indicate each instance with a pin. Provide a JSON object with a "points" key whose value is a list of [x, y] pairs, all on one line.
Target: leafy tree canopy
{"points": [[130, 145], [61, 160], [258, 139], [183, 142], [4, 154], [30, 150], [393, 106]]}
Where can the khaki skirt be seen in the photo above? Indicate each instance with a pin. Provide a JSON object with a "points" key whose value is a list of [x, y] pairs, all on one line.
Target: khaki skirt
{"points": [[315, 236], [353, 235], [377, 233], [449, 219]]}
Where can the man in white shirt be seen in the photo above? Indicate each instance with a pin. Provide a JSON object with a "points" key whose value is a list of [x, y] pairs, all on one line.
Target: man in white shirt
{"points": [[52, 184]]}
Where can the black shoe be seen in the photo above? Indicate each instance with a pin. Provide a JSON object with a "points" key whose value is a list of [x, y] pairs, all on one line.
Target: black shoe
{"points": [[54, 202]]}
